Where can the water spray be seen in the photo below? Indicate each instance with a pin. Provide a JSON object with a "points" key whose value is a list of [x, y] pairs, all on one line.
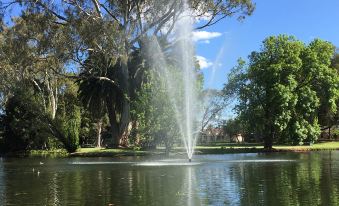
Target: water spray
{"points": [[184, 101]]}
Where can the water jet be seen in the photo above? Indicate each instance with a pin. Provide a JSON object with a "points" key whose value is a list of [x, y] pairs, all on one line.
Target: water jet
{"points": [[180, 77]]}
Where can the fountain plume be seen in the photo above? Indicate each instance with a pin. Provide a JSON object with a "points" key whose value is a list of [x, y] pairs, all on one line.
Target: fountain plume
{"points": [[184, 101]]}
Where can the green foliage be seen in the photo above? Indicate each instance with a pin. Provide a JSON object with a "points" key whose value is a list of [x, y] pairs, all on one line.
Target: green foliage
{"points": [[24, 122], [152, 109], [335, 133], [97, 83], [232, 127], [68, 118], [102, 88], [49, 38], [89, 128], [71, 126], [87, 131], [283, 87]]}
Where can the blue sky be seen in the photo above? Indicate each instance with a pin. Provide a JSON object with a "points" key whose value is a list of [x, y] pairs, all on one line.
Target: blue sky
{"points": [[305, 19], [222, 44]]}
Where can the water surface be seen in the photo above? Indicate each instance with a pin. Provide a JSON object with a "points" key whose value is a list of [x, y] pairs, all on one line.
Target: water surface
{"points": [[310, 178]]}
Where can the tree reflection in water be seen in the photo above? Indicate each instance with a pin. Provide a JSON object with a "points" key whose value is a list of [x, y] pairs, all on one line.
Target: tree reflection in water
{"points": [[239, 179]]}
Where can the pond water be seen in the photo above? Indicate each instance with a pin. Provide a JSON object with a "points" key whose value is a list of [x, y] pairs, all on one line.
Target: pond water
{"points": [[310, 178]]}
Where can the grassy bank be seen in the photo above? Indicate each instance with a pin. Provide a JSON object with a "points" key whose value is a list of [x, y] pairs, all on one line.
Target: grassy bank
{"points": [[252, 148], [219, 148], [314, 147], [102, 152], [215, 149], [39, 153]]}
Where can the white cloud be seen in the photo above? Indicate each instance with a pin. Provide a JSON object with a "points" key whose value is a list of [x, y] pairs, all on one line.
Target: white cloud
{"points": [[205, 36], [203, 62], [205, 17]]}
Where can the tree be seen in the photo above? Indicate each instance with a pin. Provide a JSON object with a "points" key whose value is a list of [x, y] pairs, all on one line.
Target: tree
{"points": [[282, 88], [99, 89], [71, 127], [213, 105], [327, 116], [68, 118], [116, 29], [30, 51], [153, 111], [232, 127], [24, 122]]}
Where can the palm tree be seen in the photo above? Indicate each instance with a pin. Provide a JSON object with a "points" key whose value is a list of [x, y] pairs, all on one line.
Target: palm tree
{"points": [[100, 90]]}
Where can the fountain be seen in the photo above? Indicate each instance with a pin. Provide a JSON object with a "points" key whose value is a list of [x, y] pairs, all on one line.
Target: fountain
{"points": [[184, 102]]}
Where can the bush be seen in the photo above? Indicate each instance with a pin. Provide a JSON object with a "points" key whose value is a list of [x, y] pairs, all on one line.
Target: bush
{"points": [[72, 127], [335, 133], [24, 122], [68, 120]]}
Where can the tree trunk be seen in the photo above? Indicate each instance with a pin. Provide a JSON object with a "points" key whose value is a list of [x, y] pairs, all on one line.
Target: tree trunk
{"points": [[41, 93], [118, 106], [53, 103], [268, 130], [114, 123], [125, 113], [268, 143], [52, 97], [99, 127], [268, 139], [125, 136], [135, 127]]}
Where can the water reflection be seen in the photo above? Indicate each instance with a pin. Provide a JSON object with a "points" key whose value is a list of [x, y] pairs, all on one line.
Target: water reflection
{"points": [[255, 179]]}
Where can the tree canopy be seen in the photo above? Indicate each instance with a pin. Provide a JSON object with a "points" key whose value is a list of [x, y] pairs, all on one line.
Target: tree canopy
{"points": [[283, 88]]}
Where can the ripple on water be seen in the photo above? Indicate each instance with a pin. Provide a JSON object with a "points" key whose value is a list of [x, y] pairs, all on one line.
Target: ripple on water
{"points": [[178, 162], [154, 163], [99, 163], [260, 161], [158, 164]]}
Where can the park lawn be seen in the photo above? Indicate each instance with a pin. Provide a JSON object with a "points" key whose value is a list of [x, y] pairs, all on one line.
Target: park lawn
{"points": [[96, 152], [226, 148], [314, 147], [254, 148], [249, 148], [214, 149]]}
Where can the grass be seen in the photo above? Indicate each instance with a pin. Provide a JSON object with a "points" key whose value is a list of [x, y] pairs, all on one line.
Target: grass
{"points": [[314, 147], [219, 148], [40, 153], [95, 152], [250, 148], [56, 152]]}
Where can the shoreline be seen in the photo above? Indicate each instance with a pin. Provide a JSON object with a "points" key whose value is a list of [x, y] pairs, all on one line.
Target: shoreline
{"points": [[199, 150]]}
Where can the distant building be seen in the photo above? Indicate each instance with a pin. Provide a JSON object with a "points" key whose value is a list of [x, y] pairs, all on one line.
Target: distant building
{"points": [[238, 138], [212, 134]]}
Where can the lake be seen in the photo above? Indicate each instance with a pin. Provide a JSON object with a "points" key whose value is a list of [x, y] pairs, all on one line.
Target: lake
{"points": [[310, 178]]}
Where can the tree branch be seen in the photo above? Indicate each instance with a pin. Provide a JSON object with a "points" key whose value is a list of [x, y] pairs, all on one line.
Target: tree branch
{"points": [[154, 23], [38, 2], [111, 14], [97, 8]]}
